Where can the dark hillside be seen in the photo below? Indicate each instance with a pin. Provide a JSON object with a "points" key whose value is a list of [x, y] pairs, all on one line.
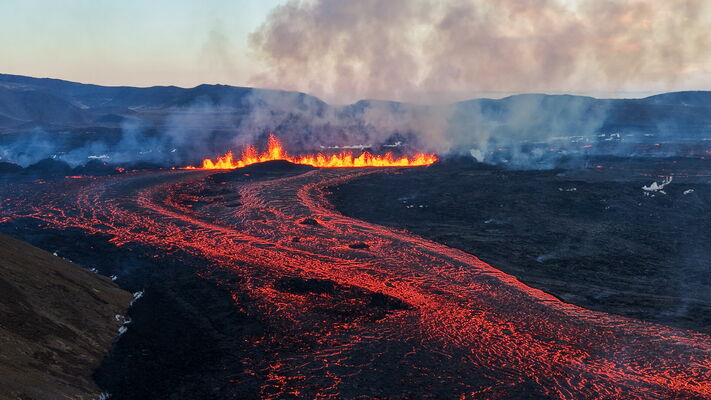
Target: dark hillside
{"points": [[57, 321]]}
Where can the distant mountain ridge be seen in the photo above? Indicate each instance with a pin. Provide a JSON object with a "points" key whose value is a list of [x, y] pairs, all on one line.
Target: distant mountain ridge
{"points": [[76, 104], [169, 125], [47, 102]]}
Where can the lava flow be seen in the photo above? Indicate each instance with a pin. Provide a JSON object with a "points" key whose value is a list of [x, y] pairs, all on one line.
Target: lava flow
{"points": [[275, 151], [356, 310]]}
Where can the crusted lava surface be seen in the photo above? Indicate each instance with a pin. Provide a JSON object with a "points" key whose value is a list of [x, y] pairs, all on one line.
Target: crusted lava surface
{"points": [[592, 237], [244, 300]]}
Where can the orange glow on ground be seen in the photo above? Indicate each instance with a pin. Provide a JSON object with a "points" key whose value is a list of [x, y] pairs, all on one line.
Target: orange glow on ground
{"points": [[465, 319], [275, 151]]}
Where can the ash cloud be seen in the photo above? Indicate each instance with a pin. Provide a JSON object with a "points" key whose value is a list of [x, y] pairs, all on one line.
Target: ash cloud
{"points": [[429, 51], [423, 51]]}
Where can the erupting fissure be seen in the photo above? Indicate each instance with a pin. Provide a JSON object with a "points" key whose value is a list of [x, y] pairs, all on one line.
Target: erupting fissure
{"points": [[275, 151]]}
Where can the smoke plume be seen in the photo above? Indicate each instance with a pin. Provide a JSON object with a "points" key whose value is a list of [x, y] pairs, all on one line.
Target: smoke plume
{"points": [[429, 51]]}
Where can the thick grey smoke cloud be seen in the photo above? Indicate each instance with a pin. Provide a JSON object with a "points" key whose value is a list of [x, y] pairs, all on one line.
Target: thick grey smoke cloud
{"points": [[427, 51], [421, 51]]}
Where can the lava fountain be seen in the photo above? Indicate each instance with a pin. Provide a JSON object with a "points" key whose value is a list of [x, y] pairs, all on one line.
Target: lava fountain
{"points": [[275, 151]]}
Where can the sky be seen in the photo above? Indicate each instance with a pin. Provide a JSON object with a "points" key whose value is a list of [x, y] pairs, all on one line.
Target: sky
{"points": [[413, 50], [131, 42]]}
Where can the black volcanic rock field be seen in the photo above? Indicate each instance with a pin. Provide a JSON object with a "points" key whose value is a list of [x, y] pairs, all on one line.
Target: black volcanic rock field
{"points": [[572, 265], [242, 299], [592, 237]]}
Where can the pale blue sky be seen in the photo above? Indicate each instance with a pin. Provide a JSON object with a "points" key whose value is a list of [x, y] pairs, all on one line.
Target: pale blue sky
{"points": [[342, 51], [131, 42]]}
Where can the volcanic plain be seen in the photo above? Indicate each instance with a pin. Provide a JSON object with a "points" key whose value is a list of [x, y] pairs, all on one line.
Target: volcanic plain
{"points": [[256, 286], [591, 236]]}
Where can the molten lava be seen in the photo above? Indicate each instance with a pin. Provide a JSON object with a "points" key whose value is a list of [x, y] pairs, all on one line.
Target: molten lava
{"points": [[275, 151], [404, 315]]}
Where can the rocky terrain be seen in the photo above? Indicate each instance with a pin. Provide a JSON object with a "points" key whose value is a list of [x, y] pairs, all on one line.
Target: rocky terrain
{"points": [[594, 237], [256, 287], [57, 323]]}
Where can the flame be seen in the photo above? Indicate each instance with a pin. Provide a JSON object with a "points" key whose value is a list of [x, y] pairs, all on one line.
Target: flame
{"points": [[275, 151]]}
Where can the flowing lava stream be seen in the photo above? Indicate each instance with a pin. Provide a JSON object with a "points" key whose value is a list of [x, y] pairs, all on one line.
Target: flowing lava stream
{"points": [[453, 326], [275, 151]]}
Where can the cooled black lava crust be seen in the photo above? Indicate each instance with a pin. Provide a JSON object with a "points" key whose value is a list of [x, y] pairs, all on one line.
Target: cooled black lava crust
{"points": [[592, 237]]}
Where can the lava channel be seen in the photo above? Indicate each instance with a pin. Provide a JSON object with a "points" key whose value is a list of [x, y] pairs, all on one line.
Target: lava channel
{"points": [[392, 316]]}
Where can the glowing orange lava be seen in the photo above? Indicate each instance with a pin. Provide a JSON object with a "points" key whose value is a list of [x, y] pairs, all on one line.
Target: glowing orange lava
{"points": [[469, 331], [275, 151]]}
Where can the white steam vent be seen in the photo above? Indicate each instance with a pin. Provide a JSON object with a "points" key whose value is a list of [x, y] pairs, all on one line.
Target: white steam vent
{"points": [[658, 187]]}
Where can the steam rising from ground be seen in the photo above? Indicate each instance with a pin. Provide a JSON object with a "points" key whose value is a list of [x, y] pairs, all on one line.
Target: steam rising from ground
{"points": [[526, 131], [426, 50], [181, 135], [421, 51]]}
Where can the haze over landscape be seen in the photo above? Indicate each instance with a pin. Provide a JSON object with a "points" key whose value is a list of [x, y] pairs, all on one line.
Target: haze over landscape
{"points": [[355, 199], [421, 51], [444, 54]]}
